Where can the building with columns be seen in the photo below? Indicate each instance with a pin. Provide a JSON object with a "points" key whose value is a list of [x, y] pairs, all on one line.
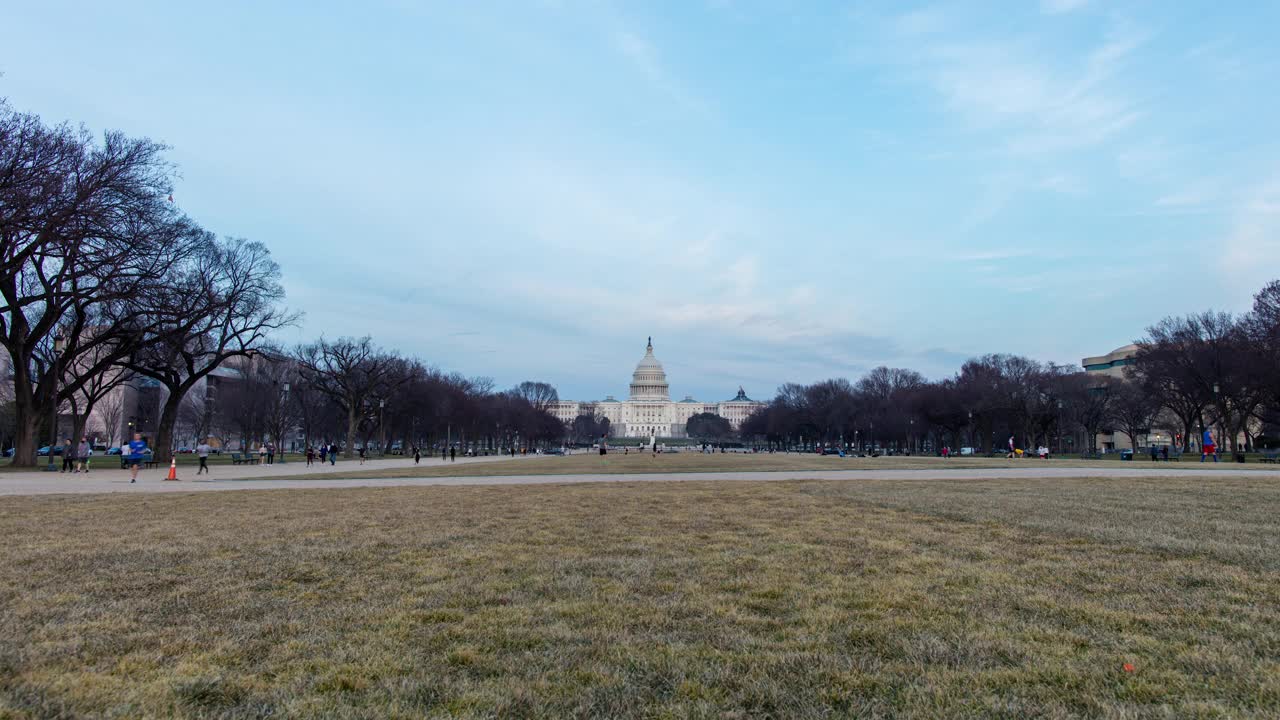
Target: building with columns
{"points": [[649, 409]]}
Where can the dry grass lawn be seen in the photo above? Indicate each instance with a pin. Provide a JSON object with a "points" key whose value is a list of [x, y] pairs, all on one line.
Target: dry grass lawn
{"points": [[616, 462], [931, 599]]}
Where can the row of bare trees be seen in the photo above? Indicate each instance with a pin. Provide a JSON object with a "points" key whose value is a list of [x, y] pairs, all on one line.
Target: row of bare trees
{"points": [[994, 396], [1214, 369], [354, 393], [103, 279], [1210, 369]]}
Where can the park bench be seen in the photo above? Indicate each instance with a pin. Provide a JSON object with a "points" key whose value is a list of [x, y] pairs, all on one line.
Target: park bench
{"points": [[1091, 456], [244, 459], [1269, 456]]}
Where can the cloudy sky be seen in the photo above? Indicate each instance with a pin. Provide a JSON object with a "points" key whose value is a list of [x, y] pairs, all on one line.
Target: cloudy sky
{"points": [[774, 190]]}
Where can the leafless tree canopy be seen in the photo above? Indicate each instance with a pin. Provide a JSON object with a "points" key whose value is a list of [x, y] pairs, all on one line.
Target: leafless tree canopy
{"points": [[539, 394], [92, 250]]}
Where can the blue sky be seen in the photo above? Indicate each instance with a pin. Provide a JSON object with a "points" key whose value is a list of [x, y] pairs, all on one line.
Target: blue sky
{"points": [[775, 191]]}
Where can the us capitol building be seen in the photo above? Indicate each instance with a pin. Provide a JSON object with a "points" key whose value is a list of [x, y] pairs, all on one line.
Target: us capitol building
{"points": [[649, 409]]}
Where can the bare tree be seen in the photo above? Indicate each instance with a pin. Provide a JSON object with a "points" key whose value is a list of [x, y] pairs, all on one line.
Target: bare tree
{"points": [[708, 427], [111, 413], [94, 389], [348, 371], [1133, 410], [85, 233], [193, 419], [538, 394], [229, 301]]}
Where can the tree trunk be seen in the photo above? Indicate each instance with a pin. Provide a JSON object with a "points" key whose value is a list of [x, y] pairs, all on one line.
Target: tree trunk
{"points": [[1133, 440], [78, 422], [351, 430], [162, 448], [25, 444], [30, 413]]}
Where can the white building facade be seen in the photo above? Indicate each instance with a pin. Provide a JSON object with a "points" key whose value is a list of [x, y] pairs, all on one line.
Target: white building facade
{"points": [[649, 410]]}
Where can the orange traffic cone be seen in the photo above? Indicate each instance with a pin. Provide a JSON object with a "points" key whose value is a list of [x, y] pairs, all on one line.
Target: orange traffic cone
{"points": [[173, 469]]}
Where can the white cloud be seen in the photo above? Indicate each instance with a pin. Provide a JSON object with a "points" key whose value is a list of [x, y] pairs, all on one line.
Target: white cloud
{"points": [[921, 22], [1062, 183], [1057, 7], [989, 255], [1193, 196], [1247, 255], [644, 57], [1042, 102]]}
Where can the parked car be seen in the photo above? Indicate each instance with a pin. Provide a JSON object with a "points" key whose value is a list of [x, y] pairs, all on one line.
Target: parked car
{"points": [[966, 451], [184, 451], [44, 451], [113, 451], [553, 451]]}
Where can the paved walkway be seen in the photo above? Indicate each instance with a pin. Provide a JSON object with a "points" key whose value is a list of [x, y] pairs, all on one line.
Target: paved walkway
{"points": [[151, 482], [108, 477]]}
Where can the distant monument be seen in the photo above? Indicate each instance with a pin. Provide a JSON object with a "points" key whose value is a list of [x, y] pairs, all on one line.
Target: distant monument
{"points": [[648, 411]]}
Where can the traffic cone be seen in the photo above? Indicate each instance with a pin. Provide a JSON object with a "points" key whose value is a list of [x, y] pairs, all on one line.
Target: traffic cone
{"points": [[173, 469]]}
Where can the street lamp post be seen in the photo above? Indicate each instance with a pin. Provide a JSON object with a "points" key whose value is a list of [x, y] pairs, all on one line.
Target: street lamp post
{"points": [[1059, 427], [911, 435], [59, 344], [382, 429], [1217, 404], [284, 404]]}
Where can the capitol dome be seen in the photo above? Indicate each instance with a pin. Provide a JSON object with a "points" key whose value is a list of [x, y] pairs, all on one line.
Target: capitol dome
{"points": [[649, 381]]}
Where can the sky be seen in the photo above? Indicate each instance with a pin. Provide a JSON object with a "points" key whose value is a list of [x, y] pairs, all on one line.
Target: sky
{"points": [[775, 191]]}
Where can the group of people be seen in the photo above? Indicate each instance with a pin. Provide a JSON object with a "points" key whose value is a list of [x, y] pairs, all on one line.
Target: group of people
{"points": [[327, 451], [75, 457], [267, 454], [450, 455]]}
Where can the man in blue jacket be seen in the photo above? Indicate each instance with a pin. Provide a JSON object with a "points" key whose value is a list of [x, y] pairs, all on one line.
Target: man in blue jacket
{"points": [[137, 454]]}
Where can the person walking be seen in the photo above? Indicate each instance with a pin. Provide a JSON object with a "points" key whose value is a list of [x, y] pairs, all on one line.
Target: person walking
{"points": [[311, 455], [68, 456], [202, 452], [333, 453], [1207, 446], [83, 452], [362, 454], [1155, 453], [271, 453], [137, 454], [453, 454], [417, 455], [1164, 453]]}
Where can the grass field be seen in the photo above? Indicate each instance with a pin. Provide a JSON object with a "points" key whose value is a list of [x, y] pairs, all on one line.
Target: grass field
{"points": [[786, 599], [616, 462]]}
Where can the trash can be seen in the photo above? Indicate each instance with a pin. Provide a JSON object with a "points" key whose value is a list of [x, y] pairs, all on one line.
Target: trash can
{"points": [[1126, 454], [1239, 457]]}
